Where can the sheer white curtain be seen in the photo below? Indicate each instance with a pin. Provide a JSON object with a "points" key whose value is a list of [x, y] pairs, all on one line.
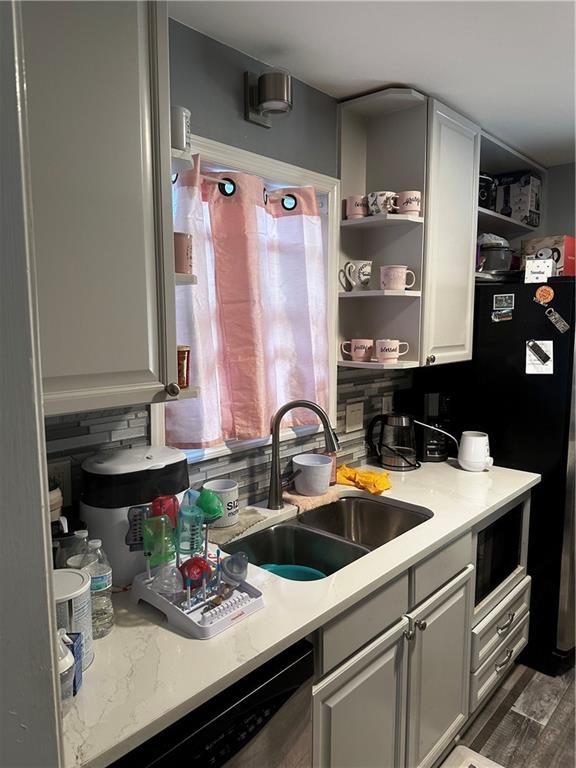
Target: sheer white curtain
{"points": [[257, 320]]}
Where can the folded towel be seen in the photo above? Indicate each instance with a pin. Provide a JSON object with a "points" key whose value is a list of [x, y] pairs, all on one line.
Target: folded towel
{"points": [[306, 503], [368, 480], [246, 519]]}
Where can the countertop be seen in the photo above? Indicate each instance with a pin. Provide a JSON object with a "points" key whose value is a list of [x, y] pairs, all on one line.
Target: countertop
{"points": [[146, 676]]}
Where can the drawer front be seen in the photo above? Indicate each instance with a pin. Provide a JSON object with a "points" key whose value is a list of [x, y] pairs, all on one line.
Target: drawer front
{"points": [[442, 566], [345, 635], [500, 623], [494, 669]]}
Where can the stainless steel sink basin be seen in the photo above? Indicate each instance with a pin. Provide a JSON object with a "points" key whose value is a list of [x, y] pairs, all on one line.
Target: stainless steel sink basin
{"points": [[289, 544], [366, 520]]}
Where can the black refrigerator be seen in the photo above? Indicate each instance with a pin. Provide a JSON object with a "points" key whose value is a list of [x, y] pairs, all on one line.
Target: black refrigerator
{"points": [[529, 417]]}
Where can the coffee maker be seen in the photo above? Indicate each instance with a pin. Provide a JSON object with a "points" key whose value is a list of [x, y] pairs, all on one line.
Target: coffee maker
{"points": [[434, 408]]}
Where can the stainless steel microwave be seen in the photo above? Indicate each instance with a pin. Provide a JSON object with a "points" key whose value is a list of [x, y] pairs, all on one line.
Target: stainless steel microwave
{"points": [[500, 549]]}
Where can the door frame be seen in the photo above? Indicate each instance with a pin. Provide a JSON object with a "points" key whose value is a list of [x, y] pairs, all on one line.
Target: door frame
{"points": [[30, 713]]}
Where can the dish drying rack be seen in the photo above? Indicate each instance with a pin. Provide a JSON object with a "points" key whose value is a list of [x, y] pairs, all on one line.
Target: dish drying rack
{"points": [[196, 620]]}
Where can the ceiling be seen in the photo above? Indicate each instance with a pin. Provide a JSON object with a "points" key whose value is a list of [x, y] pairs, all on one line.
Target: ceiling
{"points": [[507, 65]]}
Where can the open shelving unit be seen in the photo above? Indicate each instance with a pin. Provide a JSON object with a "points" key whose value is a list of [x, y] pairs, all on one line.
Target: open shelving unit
{"points": [[383, 147], [495, 158], [382, 220], [407, 294], [181, 160]]}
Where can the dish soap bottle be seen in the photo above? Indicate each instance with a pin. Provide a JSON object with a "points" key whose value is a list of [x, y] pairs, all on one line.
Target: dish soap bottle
{"points": [[96, 564]]}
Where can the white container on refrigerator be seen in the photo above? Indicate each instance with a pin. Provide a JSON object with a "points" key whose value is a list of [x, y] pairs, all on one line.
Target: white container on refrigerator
{"points": [[113, 482]]}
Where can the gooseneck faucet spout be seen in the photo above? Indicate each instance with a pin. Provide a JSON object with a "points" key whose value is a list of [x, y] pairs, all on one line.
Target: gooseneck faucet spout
{"points": [[330, 437]]}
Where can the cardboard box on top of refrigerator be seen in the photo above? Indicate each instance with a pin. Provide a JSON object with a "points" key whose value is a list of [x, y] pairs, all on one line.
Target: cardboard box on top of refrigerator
{"points": [[560, 248], [518, 196]]}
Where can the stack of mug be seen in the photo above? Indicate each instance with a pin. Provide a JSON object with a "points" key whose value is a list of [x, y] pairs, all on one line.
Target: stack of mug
{"points": [[408, 202], [356, 276], [370, 350]]}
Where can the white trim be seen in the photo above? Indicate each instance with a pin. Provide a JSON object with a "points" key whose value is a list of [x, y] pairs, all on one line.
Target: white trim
{"points": [[250, 162]]}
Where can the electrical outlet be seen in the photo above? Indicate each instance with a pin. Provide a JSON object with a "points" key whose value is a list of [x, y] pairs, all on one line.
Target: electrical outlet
{"points": [[387, 403], [354, 417], [60, 470]]}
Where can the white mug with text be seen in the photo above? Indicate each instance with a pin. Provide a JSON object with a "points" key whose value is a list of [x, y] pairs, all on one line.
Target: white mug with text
{"points": [[228, 492], [388, 350], [410, 202], [356, 275], [361, 350]]}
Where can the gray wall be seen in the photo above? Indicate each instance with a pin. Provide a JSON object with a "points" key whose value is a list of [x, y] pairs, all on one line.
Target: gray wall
{"points": [[208, 78], [561, 203]]}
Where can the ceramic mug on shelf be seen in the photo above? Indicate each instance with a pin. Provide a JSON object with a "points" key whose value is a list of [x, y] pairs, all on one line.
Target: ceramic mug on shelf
{"points": [[361, 350], [356, 207], [474, 452], [382, 202], [388, 350], [394, 278], [356, 275], [410, 202]]}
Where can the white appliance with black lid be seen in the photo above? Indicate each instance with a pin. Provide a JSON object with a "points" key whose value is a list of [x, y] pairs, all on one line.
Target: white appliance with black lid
{"points": [[116, 482]]}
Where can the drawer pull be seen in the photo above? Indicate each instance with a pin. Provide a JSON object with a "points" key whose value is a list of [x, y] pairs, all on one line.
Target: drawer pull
{"points": [[421, 625], [506, 661], [507, 624]]}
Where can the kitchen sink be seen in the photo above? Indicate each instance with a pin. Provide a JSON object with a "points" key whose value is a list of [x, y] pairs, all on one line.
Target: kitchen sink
{"points": [[369, 521], [289, 544]]}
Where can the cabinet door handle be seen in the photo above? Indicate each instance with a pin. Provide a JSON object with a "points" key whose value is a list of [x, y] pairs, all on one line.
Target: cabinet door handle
{"points": [[507, 624], [500, 665], [430, 359], [421, 625], [172, 389]]}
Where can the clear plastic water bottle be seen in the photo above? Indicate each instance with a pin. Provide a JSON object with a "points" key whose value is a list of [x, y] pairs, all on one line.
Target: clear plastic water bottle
{"points": [[96, 564]]}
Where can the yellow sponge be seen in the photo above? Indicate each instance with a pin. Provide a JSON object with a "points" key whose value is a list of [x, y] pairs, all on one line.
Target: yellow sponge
{"points": [[373, 482]]}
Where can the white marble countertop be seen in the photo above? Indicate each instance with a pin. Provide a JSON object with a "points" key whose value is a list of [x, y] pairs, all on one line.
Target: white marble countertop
{"points": [[146, 676]]}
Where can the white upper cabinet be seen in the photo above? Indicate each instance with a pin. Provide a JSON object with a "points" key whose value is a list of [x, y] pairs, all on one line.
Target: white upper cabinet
{"points": [[450, 244], [98, 107]]}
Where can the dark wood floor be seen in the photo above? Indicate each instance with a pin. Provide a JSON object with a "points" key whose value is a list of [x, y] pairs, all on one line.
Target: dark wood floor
{"points": [[529, 723]]}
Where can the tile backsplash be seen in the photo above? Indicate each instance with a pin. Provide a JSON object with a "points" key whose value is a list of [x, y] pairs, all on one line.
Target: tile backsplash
{"points": [[79, 435]]}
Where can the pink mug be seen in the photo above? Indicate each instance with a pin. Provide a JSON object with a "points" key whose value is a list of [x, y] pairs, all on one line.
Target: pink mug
{"points": [[361, 350], [410, 202], [388, 350], [356, 207]]}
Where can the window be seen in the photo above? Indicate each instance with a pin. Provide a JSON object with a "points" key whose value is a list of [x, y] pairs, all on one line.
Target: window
{"points": [[259, 323]]}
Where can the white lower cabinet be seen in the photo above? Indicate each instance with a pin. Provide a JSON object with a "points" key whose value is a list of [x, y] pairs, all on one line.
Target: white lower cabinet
{"points": [[399, 701], [438, 664], [359, 710]]}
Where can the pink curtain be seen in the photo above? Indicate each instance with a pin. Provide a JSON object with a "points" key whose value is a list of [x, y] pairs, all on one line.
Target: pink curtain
{"points": [[256, 321]]}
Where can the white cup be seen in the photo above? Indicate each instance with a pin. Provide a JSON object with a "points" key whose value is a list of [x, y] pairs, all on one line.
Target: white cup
{"points": [[474, 452], [388, 350], [312, 473], [228, 492], [382, 202], [393, 278]]}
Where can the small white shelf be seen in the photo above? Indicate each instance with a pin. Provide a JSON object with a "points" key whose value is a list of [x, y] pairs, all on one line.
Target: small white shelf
{"points": [[182, 279], [408, 294], [187, 393], [181, 160], [382, 220], [495, 223], [398, 365]]}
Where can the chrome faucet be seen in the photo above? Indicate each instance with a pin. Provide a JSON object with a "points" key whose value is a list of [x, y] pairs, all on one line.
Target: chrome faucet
{"points": [[330, 437]]}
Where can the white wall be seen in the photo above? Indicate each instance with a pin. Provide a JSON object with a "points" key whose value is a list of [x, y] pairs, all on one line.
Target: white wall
{"points": [[561, 200]]}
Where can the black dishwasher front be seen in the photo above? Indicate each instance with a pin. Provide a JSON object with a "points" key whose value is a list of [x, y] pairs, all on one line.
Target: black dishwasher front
{"points": [[216, 731]]}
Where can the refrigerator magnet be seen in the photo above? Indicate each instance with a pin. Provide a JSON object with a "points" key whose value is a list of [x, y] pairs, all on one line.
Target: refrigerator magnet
{"points": [[557, 320], [544, 294], [539, 357], [503, 301]]}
